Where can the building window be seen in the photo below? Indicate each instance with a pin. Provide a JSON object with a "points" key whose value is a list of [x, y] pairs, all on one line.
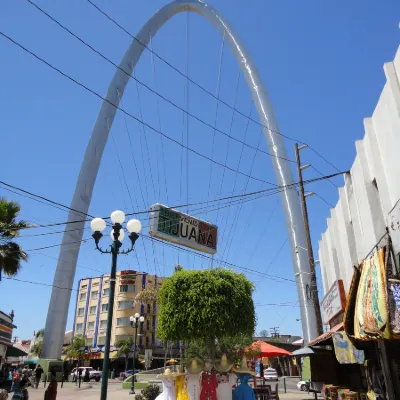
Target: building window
{"points": [[83, 286], [95, 284], [123, 321], [89, 342], [79, 328], [147, 341], [123, 305], [81, 311], [148, 308], [127, 288], [148, 324], [103, 324], [92, 310], [104, 307], [82, 297], [106, 291], [101, 340], [91, 325], [95, 295]]}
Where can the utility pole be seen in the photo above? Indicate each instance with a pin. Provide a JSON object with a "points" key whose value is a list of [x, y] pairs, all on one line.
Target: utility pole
{"points": [[314, 288], [274, 331]]}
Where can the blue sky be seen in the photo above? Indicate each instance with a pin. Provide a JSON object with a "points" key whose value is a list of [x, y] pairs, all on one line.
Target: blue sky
{"points": [[322, 65]]}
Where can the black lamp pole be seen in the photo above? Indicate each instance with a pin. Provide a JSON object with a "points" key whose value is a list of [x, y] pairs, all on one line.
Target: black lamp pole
{"points": [[115, 251]]}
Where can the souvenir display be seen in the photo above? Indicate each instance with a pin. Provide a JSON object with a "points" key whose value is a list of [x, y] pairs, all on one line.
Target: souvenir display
{"points": [[346, 352]]}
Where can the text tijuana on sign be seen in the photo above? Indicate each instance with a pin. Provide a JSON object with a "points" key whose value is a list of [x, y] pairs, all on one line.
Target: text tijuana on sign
{"points": [[180, 228]]}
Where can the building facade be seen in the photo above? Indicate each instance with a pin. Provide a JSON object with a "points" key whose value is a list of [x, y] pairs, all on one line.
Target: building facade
{"points": [[6, 329], [92, 309], [370, 190]]}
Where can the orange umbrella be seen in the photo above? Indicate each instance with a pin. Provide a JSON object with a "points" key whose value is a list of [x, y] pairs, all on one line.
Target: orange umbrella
{"points": [[267, 350]]}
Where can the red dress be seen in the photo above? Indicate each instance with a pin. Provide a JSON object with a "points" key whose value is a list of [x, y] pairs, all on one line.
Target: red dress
{"points": [[209, 384]]}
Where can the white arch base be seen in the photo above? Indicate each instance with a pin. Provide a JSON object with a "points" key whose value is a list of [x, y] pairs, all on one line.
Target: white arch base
{"points": [[66, 266]]}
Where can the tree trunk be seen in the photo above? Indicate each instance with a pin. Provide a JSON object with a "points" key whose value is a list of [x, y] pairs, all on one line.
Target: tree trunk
{"points": [[166, 351], [126, 362], [211, 348]]}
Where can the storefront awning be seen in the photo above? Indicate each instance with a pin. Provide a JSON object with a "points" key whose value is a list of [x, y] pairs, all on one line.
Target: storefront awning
{"points": [[30, 361], [14, 352], [327, 335]]}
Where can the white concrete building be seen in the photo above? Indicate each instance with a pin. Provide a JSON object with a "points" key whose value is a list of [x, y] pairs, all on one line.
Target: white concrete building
{"points": [[371, 190]]}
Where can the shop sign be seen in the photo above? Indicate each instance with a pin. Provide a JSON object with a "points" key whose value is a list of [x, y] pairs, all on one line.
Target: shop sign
{"points": [[127, 282], [334, 302], [176, 227], [393, 224], [128, 273]]}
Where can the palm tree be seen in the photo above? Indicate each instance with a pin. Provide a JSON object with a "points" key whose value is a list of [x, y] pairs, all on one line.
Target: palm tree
{"points": [[11, 253], [125, 347], [76, 350]]}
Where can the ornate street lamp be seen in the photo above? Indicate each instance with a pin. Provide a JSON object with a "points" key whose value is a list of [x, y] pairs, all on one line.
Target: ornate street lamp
{"points": [[134, 324], [117, 236]]}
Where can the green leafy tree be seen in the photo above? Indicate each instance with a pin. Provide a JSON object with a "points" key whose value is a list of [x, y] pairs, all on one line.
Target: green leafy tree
{"points": [[11, 253], [206, 305], [37, 348], [235, 347], [264, 333], [125, 347], [147, 295]]}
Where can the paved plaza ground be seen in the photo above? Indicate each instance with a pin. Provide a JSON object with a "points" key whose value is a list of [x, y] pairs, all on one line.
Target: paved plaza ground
{"points": [[92, 391]]}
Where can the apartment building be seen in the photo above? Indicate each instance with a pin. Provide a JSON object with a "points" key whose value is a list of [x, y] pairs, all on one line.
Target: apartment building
{"points": [[92, 309]]}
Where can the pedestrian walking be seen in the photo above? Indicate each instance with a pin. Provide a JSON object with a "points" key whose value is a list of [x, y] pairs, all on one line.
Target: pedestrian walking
{"points": [[21, 391], [86, 377], [51, 391], [38, 374]]}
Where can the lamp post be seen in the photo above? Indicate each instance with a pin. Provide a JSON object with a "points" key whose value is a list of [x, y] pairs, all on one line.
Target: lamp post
{"points": [[117, 236], [134, 324]]}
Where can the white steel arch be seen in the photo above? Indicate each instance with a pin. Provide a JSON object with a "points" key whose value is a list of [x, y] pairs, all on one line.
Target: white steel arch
{"points": [[66, 266]]}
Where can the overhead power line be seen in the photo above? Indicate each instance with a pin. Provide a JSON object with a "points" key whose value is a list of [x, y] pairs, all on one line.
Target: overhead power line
{"points": [[126, 112], [171, 207], [41, 284], [202, 87]]}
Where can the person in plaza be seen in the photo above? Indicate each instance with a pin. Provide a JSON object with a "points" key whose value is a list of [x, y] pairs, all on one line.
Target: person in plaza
{"points": [[261, 369], [15, 380], [244, 391], [51, 391], [86, 377], [21, 391], [38, 375]]}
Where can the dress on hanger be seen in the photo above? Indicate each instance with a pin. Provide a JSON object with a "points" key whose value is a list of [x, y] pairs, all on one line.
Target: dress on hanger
{"points": [[193, 386], [209, 386], [225, 383], [169, 391], [181, 392], [244, 391]]}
